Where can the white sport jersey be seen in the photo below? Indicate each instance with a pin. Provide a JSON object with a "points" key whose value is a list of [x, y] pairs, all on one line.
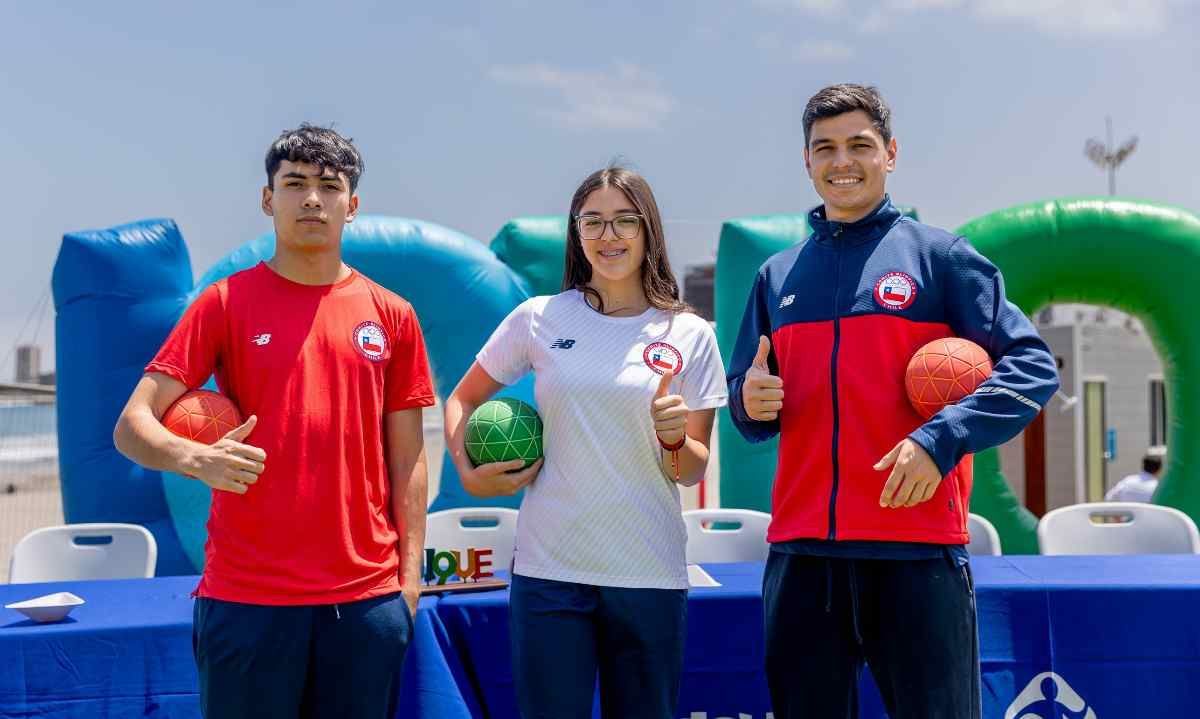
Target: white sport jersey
{"points": [[600, 510], [1134, 488]]}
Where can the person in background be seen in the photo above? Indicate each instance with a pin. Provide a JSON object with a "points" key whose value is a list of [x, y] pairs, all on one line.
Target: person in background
{"points": [[1139, 487]]}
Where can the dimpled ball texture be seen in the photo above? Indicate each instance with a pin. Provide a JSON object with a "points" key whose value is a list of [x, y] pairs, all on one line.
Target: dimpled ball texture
{"points": [[943, 372], [504, 429], [202, 416]]}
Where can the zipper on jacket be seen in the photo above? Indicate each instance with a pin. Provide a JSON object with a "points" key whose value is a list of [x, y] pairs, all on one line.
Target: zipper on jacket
{"points": [[833, 382]]}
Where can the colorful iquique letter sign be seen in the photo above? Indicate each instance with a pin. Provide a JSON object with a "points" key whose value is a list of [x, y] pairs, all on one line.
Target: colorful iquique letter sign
{"points": [[448, 563]]}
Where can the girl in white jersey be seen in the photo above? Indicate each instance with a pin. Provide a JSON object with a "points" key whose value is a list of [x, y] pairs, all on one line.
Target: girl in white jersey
{"points": [[627, 382]]}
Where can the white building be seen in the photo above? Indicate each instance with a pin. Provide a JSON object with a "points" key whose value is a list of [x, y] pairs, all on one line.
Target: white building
{"points": [[1111, 408]]}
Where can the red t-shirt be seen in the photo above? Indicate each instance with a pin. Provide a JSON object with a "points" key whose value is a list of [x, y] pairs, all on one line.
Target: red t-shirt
{"points": [[320, 366]]}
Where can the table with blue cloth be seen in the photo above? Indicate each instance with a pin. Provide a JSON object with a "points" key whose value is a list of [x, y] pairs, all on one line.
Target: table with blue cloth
{"points": [[127, 652], [1118, 637]]}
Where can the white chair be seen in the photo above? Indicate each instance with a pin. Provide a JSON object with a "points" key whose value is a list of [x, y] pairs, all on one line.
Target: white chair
{"points": [[1117, 528], [84, 551], [746, 541], [985, 539], [493, 528]]}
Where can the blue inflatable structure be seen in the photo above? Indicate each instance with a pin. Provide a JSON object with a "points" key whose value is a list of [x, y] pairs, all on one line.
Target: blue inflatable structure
{"points": [[118, 292]]}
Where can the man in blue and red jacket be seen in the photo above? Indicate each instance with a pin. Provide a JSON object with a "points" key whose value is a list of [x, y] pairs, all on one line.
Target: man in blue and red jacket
{"points": [[870, 502]]}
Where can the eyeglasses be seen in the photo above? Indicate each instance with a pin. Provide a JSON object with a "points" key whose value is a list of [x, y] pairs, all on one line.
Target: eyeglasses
{"points": [[591, 227]]}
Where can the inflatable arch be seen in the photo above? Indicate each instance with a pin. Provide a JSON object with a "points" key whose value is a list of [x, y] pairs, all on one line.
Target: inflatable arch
{"points": [[117, 294], [1138, 257]]}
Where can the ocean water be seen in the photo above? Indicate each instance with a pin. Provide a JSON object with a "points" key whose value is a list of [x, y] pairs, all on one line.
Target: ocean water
{"points": [[28, 440]]}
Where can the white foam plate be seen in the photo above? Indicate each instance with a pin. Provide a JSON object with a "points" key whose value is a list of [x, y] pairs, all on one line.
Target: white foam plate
{"points": [[48, 608], [697, 577]]}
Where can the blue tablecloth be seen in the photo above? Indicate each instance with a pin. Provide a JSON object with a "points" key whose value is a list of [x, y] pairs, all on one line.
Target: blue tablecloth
{"points": [[127, 652], [1121, 633]]}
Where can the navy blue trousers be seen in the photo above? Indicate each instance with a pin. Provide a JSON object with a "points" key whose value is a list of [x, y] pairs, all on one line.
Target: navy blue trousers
{"points": [[310, 662], [564, 635], [912, 622]]}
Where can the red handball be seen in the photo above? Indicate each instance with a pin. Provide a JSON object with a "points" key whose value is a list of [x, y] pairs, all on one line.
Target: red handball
{"points": [[943, 372], [202, 416]]}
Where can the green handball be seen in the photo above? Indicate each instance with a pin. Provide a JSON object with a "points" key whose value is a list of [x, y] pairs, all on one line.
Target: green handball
{"points": [[504, 429]]}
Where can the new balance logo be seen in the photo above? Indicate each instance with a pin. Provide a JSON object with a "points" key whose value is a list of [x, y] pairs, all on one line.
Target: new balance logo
{"points": [[786, 301], [561, 344], [262, 339]]}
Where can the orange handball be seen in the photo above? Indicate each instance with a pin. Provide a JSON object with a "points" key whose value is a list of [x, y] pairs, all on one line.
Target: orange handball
{"points": [[943, 372], [202, 416]]}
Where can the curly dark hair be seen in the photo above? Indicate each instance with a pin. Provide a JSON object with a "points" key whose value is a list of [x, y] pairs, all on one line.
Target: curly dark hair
{"points": [[315, 145]]}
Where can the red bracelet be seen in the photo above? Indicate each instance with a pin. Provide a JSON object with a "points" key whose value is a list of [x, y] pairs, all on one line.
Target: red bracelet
{"points": [[674, 450], [674, 447]]}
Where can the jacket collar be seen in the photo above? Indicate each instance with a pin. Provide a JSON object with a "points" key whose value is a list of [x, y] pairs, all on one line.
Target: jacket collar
{"points": [[871, 227]]}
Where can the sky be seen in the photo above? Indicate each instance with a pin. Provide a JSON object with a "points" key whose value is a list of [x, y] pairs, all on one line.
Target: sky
{"points": [[469, 114]]}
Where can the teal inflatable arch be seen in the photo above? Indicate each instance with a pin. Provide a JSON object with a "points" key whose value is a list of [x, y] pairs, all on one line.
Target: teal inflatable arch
{"points": [[747, 470], [1141, 258], [119, 291]]}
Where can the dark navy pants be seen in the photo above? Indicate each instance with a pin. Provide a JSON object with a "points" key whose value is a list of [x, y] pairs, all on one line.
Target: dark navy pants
{"points": [[310, 662], [912, 622], [565, 634]]}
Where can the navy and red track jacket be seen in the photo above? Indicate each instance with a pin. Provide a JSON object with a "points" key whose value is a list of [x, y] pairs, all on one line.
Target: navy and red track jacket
{"points": [[845, 310]]}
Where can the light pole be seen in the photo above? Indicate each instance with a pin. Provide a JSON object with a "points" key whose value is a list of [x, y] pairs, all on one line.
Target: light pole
{"points": [[1108, 157]]}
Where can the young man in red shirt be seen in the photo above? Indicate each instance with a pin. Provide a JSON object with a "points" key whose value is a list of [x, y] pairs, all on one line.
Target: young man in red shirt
{"points": [[313, 560]]}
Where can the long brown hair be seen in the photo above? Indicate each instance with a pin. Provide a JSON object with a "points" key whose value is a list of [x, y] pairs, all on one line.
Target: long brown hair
{"points": [[658, 282]]}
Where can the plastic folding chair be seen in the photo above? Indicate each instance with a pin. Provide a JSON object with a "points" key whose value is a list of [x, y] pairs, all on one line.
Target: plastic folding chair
{"points": [[1117, 528], [726, 535], [493, 528], [84, 551], [985, 539]]}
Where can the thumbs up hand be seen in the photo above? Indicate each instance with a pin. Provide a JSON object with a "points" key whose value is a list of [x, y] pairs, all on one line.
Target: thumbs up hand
{"points": [[668, 411], [762, 392], [228, 465]]}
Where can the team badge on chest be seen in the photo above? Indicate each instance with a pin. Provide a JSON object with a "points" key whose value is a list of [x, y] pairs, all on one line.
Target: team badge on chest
{"points": [[895, 291], [371, 341], [661, 357]]}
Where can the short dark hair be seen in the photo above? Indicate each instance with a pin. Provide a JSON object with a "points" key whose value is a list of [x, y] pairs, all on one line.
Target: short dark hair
{"points": [[315, 145], [1151, 464], [839, 99]]}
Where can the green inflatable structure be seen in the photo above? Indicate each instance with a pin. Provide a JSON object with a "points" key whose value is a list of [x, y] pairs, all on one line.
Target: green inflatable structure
{"points": [[535, 248], [748, 470], [1138, 257]]}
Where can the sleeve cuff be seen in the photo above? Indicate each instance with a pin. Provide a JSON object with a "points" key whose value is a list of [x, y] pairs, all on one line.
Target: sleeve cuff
{"points": [[484, 362], [945, 461], [409, 403], [751, 430], [712, 402], [171, 371]]}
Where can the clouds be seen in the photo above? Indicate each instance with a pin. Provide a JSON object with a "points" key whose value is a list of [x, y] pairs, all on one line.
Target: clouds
{"points": [[817, 7], [626, 97], [1056, 18], [1075, 18], [803, 50]]}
